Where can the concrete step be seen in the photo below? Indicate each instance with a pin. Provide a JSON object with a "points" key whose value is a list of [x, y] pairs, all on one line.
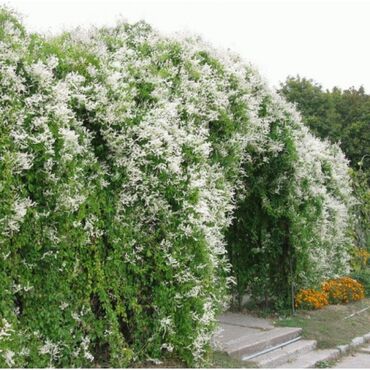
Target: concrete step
{"points": [[284, 354], [253, 343], [365, 350], [309, 359], [241, 320]]}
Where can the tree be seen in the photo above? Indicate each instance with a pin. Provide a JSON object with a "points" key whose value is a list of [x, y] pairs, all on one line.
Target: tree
{"points": [[339, 115]]}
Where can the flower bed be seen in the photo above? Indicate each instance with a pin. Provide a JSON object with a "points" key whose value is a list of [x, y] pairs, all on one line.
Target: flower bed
{"points": [[334, 291]]}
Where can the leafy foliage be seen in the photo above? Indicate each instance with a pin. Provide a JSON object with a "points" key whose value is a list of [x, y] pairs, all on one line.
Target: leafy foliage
{"points": [[361, 211], [363, 276], [125, 158], [340, 116], [286, 233]]}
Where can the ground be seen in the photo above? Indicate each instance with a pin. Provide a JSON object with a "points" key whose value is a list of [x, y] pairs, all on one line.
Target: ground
{"points": [[223, 360], [360, 360], [331, 325]]}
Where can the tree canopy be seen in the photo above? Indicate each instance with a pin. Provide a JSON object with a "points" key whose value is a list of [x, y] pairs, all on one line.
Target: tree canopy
{"points": [[338, 115]]}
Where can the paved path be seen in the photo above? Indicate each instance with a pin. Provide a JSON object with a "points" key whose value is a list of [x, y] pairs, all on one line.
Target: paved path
{"points": [[359, 360], [235, 325]]}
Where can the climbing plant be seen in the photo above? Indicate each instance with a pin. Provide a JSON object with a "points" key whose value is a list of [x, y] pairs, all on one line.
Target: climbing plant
{"points": [[127, 161]]}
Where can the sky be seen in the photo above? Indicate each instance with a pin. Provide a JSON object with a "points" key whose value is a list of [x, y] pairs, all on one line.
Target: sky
{"points": [[326, 40]]}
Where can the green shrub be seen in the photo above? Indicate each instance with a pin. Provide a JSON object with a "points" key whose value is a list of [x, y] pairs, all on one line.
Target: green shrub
{"points": [[363, 277]]}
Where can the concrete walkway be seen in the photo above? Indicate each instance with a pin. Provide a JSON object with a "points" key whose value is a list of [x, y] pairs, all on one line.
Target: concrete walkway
{"points": [[359, 360], [259, 342]]}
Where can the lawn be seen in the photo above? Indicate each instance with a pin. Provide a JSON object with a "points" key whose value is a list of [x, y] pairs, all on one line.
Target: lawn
{"points": [[331, 325]]}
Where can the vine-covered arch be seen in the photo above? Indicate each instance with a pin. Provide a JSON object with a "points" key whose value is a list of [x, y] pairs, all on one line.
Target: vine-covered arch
{"points": [[125, 156]]}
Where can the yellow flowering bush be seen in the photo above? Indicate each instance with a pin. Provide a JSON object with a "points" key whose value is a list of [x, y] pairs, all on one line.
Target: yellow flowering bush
{"points": [[340, 290], [343, 290], [311, 299]]}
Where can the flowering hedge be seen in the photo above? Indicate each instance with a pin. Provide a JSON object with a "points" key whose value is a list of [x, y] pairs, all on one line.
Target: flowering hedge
{"points": [[291, 226], [125, 156]]}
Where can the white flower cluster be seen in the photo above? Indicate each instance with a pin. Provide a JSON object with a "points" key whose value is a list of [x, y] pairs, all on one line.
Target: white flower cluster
{"points": [[52, 350], [323, 170]]}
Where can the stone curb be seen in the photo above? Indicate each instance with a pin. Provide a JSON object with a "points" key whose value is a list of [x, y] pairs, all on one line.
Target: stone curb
{"points": [[355, 343]]}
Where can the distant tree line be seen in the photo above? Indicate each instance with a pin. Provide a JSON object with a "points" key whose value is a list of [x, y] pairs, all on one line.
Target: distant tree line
{"points": [[338, 115]]}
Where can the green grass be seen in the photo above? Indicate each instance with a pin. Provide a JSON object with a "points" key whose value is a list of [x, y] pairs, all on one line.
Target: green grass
{"points": [[325, 364], [223, 360], [328, 326]]}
